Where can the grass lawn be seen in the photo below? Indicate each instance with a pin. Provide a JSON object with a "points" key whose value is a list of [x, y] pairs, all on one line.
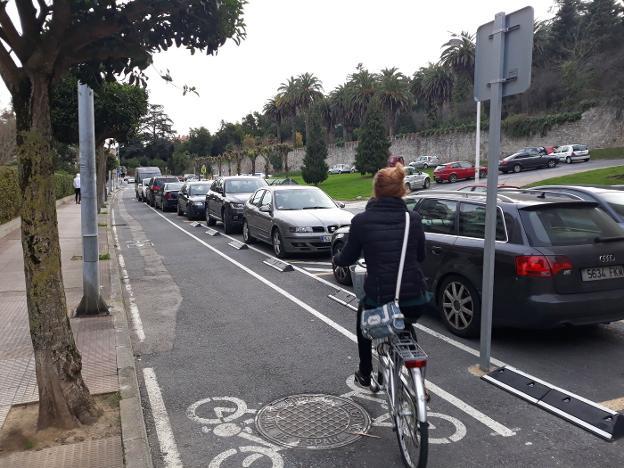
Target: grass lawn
{"points": [[607, 176], [607, 153], [345, 186]]}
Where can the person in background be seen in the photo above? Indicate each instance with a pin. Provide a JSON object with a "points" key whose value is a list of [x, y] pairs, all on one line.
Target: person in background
{"points": [[77, 188], [378, 233]]}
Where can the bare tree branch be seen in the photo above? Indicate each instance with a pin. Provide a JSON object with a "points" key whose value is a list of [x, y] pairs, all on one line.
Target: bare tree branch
{"points": [[28, 18], [8, 70], [11, 35]]}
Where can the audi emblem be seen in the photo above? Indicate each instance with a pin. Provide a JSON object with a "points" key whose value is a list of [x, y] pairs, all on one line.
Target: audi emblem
{"points": [[608, 258]]}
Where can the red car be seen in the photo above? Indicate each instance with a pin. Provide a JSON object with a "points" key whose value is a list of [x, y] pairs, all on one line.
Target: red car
{"points": [[457, 170], [394, 160]]}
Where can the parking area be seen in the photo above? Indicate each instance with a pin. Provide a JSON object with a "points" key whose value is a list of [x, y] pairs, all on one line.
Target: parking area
{"points": [[220, 335]]}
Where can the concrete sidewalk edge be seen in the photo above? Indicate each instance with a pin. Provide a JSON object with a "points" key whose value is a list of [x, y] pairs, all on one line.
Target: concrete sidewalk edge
{"points": [[136, 449], [15, 223]]}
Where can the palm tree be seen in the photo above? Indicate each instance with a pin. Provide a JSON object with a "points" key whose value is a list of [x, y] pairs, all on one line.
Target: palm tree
{"points": [[437, 85], [363, 86], [327, 117], [289, 95], [309, 91], [340, 104], [458, 54], [394, 95], [274, 110]]}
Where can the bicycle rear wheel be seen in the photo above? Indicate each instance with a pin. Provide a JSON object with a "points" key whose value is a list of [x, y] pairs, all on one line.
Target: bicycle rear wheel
{"points": [[412, 435]]}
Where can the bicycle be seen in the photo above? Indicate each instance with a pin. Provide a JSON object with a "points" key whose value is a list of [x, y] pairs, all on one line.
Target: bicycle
{"points": [[401, 374]]}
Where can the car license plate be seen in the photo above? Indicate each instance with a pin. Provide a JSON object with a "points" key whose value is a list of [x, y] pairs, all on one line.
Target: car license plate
{"points": [[602, 273], [325, 238]]}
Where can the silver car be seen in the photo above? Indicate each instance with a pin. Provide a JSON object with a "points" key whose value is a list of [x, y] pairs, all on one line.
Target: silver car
{"points": [[425, 162], [293, 219], [415, 179]]}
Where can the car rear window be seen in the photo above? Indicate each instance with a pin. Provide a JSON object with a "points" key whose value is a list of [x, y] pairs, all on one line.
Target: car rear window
{"points": [[472, 222], [554, 226], [615, 201], [579, 148]]}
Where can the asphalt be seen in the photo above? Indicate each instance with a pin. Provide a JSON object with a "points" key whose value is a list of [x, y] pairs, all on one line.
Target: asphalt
{"points": [[217, 323]]}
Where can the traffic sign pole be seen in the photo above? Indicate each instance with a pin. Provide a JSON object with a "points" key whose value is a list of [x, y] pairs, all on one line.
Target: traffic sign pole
{"points": [[496, 103]]}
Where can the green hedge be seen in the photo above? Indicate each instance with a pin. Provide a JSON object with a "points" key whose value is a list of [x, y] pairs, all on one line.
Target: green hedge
{"points": [[10, 197]]}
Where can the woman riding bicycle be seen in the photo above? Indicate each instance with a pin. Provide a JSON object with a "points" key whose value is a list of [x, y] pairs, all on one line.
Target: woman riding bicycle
{"points": [[378, 234]]}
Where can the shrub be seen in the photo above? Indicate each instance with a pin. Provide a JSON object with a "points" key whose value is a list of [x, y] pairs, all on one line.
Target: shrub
{"points": [[523, 125], [10, 195]]}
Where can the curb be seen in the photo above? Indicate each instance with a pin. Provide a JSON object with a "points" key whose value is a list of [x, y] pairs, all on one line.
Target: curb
{"points": [[9, 226], [136, 448]]}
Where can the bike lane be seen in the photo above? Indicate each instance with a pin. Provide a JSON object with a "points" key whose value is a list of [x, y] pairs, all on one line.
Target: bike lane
{"points": [[237, 338]]}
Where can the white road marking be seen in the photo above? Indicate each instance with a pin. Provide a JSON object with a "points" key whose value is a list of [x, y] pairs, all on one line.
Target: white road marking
{"points": [[319, 269], [303, 262], [478, 415], [168, 447], [137, 324]]}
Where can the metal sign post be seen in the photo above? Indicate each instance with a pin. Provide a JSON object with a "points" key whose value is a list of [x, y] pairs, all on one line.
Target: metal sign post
{"points": [[502, 68], [478, 143]]}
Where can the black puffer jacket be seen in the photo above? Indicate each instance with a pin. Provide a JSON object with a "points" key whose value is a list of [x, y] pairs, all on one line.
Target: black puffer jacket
{"points": [[378, 233]]}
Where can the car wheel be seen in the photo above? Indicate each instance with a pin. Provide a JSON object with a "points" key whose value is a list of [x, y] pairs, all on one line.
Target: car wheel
{"points": [[210, 221], [517, 168], [162, 206], [568, 160], [278, 244], [180, 212], [460, 306], [452, 178], [408, 189], [552, 163], [426, 166], [247, 237], [427, 184], [228, 228], [341, 274]]}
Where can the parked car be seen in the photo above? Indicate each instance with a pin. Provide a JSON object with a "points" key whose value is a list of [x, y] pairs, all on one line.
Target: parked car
{"points": [[483, 188], [558, 260], [415, 179], [142, 190], [425, 162], [572, 153], [280, 181], [155, 184], [190, 177], [293, 219], [192, 199], [394, 160], [144, 173], [524, 160], [166, 196], [226, 199], [611, 201], [533, 149], [130, 180], [457, 170], [340, 169]]}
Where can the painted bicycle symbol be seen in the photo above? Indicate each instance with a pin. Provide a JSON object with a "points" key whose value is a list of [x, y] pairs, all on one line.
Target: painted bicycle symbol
{"points": [[229, 417]]}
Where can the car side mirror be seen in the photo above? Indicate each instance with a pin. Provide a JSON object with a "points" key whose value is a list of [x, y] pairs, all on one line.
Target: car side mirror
{"points": [[265, 208], [339, 204]]}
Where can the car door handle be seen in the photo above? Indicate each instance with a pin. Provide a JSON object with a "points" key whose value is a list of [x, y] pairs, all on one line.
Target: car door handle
{"points": [[436, 250]]}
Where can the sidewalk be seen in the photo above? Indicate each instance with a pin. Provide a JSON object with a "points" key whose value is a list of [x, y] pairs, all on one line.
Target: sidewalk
{"points": [[96, 339]]}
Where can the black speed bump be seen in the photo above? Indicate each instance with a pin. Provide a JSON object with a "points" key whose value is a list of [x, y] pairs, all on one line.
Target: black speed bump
{"points": [[212, 232], [278, 264], [238, 245], [597, 419]]}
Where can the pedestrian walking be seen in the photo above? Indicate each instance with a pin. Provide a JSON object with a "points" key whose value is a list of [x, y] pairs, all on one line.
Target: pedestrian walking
{"points": [[77, 188], [378, 232]]}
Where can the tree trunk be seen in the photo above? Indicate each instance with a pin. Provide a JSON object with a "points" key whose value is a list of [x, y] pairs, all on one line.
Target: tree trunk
{"points": [[253, 165], [279, 132], [100, 181], [64, 399], [286, 162], [294, 132]]}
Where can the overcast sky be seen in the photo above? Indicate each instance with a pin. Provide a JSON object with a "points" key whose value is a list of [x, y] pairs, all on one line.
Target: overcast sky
{"points": [[325, 37]]}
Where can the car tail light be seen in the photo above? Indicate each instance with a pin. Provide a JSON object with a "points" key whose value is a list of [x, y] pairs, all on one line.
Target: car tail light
{"points": [[416, 363], [540, 266]]}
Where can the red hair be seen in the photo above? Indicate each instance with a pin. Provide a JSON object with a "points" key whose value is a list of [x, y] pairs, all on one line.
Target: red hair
{"points": [[388, 182]]}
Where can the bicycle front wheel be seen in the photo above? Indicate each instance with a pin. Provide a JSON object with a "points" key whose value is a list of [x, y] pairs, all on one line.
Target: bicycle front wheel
{"points": [[412, 435]]}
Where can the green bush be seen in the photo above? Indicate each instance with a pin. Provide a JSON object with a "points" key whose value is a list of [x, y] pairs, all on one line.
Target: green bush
{"points": [[10, 195], [521, 125]]}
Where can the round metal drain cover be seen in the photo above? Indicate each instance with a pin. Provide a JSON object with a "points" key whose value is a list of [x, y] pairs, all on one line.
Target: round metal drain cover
{"points": [[312, 421]]}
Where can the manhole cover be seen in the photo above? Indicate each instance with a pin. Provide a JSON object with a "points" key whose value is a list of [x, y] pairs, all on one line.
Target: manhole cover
{"points": [[312, 421]]}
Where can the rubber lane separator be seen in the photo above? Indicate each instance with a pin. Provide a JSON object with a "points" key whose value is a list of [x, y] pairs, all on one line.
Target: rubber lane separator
{"points": [[278, 264], [344, 298], [238, 245], [212, 232], [591, 416]]}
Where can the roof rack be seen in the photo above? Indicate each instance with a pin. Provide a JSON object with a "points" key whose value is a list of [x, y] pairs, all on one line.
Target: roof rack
{"points": [[502, 197], [531, 191], [464, 194]]}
